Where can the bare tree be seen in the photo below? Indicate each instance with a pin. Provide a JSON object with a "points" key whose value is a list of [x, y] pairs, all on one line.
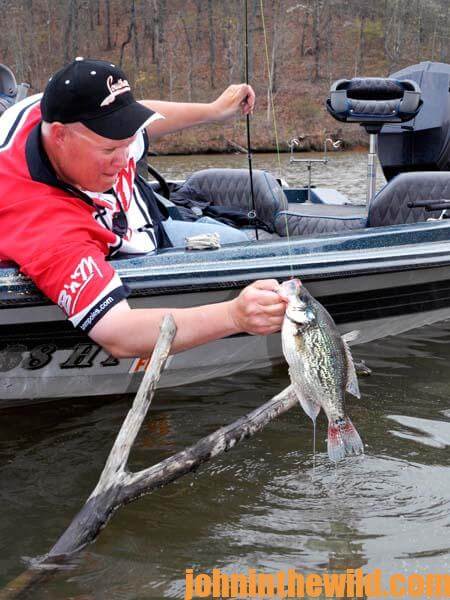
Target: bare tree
{"points": [[445, 32], [276, 43], [188, 47], [71, 31], [420, 32], [199, 5], [305, 20], [131, 34], [395, 26], [159, 11], [190, 69], [228, 38], [316, 44], [108, 46], [359, 55], [212, 46]]}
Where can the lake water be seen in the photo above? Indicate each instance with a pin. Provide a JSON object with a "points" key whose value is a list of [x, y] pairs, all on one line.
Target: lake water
{"points": [[264, 505], [345, 171]]}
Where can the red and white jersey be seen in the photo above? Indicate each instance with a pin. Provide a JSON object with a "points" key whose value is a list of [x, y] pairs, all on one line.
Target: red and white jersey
{"points": [[59, 236]]}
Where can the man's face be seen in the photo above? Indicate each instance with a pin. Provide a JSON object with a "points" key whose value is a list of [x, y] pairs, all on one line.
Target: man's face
{"points": [[91, 162]]}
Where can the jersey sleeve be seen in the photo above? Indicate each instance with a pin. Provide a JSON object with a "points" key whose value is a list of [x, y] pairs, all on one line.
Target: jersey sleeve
{"points": [[139, 147], [64, 253], [79, 280]]}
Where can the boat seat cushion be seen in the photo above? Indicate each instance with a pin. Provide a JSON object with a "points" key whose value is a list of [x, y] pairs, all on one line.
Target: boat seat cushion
{"points": [[231, 188], [390, 205], [308, 225]]}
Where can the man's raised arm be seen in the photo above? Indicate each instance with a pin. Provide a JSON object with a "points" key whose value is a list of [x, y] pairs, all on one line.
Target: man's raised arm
{"points": [[236, 99]]}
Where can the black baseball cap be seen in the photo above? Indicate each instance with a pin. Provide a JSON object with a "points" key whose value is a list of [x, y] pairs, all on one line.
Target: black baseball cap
{"points": [[97, 94]]}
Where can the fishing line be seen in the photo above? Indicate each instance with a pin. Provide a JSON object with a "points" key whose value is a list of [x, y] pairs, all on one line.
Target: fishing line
{"points": [[252, 212], [274, 119]]}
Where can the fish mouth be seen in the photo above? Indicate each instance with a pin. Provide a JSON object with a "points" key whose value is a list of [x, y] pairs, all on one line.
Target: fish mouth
{"points": [[289, 288]]}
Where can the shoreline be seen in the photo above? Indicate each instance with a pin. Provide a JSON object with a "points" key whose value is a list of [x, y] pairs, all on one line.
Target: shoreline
{"points": [[358, 148]]}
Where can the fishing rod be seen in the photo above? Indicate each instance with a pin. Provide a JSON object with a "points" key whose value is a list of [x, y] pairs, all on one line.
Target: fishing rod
{"points": [[252, 212], [274, 119]]}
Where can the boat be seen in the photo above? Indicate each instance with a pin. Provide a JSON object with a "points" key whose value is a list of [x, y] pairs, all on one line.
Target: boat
{"points": [[380, 268]]}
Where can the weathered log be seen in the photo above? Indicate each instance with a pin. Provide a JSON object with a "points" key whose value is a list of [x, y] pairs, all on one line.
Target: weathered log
{"points": [[104, 500], [26, 580], [117, 486], [235, 146], [222, 440], [135, 485]]}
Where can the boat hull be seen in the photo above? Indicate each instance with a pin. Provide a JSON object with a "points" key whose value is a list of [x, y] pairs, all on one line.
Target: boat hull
{"points": [[379, 283]]}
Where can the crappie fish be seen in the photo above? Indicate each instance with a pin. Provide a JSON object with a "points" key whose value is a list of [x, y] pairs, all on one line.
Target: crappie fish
{"points": [[320, 366]]}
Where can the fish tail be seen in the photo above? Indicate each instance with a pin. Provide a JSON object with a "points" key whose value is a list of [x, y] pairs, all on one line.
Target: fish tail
{"points": [[343, 439]]}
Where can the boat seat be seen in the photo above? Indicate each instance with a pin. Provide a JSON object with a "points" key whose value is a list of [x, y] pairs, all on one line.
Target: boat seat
{"points": [[374, 101], [302, 222], [230, 188], [390, 205]]}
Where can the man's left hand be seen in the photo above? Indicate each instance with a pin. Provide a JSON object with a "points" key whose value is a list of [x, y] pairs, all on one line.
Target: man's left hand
{"points": [[234, 100]]}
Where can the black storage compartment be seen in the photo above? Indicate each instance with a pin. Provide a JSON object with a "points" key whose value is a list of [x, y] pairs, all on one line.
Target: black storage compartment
{"points": [[423, 143]]}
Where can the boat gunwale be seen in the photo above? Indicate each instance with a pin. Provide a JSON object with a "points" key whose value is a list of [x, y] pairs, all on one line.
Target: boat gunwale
{"points": [[320, 257]]}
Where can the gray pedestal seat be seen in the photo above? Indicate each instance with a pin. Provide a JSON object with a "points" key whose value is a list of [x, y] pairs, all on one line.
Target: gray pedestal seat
{"points": [[390, 205]]}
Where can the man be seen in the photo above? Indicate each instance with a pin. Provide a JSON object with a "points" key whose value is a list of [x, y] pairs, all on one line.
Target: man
{"points": [[70, 199]]}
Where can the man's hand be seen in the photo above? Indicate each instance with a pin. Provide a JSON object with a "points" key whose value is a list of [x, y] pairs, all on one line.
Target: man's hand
{"points": [[258, 309], [234, 100]]}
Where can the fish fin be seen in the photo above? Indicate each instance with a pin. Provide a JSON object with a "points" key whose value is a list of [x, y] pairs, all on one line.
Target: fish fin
{"points": [[352, 385], [351, 336], [343, 440], [362, 369], [311, 408]]}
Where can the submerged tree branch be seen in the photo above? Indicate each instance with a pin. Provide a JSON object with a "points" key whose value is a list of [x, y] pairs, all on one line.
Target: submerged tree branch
{"points": [[117, 486], [222, 440], [104, 500]]}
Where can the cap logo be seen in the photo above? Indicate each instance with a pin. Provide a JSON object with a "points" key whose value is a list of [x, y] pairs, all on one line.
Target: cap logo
{"points": [[115, 89]]}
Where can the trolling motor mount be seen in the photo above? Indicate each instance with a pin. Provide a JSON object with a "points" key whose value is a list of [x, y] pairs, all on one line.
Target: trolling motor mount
{"points": [[8, 88], [10, 92], [373, 102]]}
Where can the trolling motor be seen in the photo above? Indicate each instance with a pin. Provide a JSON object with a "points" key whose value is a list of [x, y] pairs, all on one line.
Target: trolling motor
{"points": [[295, 142], [423, 144], [373, 102], [10, 92]]}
